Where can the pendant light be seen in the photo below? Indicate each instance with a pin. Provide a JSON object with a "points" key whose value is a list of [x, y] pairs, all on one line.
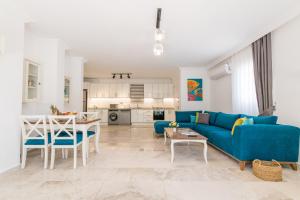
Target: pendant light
{"points": [[159, 35]]}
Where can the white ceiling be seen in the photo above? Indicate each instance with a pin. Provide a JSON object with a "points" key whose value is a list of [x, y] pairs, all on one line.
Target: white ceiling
{"points": [[117, 35]]}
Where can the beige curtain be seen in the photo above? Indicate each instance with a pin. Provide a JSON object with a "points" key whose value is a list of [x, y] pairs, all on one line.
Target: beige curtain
{"points": [[262, 61]]}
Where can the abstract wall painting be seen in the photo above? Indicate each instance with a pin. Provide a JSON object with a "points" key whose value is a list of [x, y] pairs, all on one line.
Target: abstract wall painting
{"points": [[195, 89]]}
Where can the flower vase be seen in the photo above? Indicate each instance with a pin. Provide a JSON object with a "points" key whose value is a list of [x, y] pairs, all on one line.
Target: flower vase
{"points": [[174, 130]]}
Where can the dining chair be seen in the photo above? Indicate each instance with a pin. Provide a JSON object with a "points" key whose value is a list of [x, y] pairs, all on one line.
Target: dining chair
{"points": [[90, 133], [64, 136], [34, 136]]}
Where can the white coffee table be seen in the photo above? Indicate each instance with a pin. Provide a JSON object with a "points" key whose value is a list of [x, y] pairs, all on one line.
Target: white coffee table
{"points": [[180, 137]]}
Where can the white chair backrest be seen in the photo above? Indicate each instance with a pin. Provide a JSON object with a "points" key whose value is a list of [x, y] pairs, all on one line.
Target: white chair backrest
{"points": [[34, 127], [62, 127], [90, 115]]}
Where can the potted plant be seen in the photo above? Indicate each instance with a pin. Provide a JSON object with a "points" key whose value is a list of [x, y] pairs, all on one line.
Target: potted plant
{"points": [[174, 125]]}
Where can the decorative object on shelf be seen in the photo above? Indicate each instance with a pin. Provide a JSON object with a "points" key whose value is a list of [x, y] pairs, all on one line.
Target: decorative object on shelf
{"points": [[159, 35], [195, 89], [174, 125], [31, 81], [54, 110], [67, 90], [121, 75], [267, 170]]}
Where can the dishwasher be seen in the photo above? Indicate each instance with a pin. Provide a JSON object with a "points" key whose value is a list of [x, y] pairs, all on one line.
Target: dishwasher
{"points": [[124, 117]]}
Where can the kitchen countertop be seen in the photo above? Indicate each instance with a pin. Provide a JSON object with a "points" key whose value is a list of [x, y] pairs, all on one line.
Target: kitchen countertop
{"points": [[139, 108]]}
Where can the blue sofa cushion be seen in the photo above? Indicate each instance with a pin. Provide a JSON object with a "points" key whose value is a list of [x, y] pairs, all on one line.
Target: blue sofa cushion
{"points": [[212, 117], [208, 131], [187, 125], [263, 119], [184, 116], [223, 140], [68, 141], [226, 120]]}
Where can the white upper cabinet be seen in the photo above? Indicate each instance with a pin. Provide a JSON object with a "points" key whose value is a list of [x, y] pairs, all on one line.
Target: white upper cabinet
{"points": [[148, 90], [122, 90], [31, 81], [93, 90]]}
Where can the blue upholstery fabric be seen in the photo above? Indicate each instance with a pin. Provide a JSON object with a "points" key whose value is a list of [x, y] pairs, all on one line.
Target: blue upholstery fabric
{"points": [[208, 131], [212, 117], [89, 133], [266, 142], [68, 141], [249, 142], [184, 116], [263, 119], [193, 119], [159, 126], [226, 120], [38, 141]]}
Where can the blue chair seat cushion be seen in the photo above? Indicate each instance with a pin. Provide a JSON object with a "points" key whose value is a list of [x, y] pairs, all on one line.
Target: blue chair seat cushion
{"points": [[68, 141], [38, 141]]}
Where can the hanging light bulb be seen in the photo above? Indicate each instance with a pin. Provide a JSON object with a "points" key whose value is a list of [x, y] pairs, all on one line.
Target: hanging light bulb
{"points": [[158, 49], [159, 35]]}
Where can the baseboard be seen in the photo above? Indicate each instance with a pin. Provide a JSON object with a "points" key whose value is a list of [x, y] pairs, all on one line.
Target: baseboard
{"points": [[9, 168]]}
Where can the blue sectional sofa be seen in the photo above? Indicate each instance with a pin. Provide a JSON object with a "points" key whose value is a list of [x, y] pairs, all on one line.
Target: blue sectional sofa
{"points": [[265, 139]]}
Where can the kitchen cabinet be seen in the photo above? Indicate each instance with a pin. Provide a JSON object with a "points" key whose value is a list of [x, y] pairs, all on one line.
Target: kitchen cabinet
{"points": [[103, 115], [148, 90], [134, 115], [141, 115], [93, 90], [170, 115], [31, 81]]}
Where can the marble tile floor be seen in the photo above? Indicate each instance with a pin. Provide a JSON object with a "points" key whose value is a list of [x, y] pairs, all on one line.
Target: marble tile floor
{"points": [[134, 165]]}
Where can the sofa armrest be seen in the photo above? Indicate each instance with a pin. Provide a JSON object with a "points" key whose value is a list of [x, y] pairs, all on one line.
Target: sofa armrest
{"points": [[266, 142]]}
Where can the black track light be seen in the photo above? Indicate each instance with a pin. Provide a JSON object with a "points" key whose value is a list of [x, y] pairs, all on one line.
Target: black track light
{"points": [[121, 76], [128, 75], [114, 76]]}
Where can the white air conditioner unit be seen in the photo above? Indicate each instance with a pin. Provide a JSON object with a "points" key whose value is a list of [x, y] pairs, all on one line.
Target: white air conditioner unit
{"points": [[219, 71]]}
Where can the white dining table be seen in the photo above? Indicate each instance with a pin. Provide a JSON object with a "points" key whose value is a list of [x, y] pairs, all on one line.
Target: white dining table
{"points": [[84, 125]]}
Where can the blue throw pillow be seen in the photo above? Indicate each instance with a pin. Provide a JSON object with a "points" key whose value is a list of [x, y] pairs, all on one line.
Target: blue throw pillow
{"points": [[193, 119], [226, 120], [248, 121]]}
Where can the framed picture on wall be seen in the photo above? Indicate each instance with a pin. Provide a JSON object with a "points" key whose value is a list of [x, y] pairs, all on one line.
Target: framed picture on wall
{"points": [[195, 89]]}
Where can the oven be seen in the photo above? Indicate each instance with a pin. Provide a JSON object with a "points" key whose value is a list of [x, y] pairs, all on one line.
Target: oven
{"points": [[158, 114]]}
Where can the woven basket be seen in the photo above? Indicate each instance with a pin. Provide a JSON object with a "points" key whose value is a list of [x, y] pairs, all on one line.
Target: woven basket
{"points": [[267, 170]]}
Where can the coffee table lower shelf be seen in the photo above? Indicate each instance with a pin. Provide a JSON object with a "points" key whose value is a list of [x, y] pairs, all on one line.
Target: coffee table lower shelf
{"points": [[177, 137]]}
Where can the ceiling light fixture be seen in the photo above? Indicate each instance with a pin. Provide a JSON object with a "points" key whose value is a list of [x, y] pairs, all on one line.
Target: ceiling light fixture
{"points": [[121, 75], [159, 36]]}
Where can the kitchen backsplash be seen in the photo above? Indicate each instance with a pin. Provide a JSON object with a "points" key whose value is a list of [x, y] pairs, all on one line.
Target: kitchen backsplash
{"points": [[126, 103]]}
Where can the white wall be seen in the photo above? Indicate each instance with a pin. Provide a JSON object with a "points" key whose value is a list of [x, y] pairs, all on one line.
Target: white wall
{"points": [[221, 94], [74, 69], [190, 73], [11, 65], [286, 72], [50, 54]]}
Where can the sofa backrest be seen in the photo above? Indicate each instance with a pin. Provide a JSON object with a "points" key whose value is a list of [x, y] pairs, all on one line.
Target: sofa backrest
{"points": [[184, 116], [263, 119], [226, 120], [212, 117]]}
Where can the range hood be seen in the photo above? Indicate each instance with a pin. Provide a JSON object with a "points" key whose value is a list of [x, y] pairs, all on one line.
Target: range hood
{"points": [[137, 92]]}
